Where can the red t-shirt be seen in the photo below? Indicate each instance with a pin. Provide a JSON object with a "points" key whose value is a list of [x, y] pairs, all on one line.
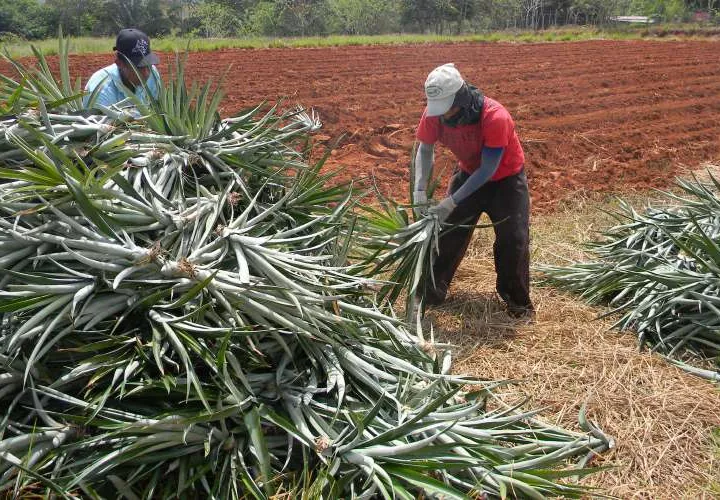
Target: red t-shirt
{"points": [[496, 129]]}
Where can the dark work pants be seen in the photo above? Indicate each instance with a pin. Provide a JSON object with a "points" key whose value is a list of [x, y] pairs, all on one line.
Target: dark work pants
{"points": [[507, 204]]}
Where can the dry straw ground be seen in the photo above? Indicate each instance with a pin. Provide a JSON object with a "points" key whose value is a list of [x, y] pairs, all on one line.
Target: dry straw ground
{"points": [[665, 421]]}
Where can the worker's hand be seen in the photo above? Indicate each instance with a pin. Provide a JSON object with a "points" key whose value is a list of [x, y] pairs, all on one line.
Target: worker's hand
{"points": [[443, 209], [421, 203]]}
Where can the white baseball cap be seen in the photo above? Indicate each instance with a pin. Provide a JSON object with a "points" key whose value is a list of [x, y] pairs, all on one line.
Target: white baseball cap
{"points": [[440, 87]]}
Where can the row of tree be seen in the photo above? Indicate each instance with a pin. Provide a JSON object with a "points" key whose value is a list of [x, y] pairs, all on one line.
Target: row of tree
{"points": [[33, 19]]}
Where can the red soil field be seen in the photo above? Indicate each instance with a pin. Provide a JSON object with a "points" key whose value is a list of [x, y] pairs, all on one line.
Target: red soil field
{"points": [[592, 116]]}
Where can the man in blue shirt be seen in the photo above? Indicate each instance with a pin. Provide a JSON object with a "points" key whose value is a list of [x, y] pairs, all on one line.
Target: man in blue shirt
{"points": [[133, 61]]}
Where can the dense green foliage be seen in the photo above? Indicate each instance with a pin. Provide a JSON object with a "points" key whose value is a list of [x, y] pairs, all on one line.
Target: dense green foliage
{"points": [[32, 19]]}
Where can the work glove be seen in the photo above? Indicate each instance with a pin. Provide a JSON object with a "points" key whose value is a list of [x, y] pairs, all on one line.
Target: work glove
{"points": [[443, 209], [420, 201], [419, 197]]}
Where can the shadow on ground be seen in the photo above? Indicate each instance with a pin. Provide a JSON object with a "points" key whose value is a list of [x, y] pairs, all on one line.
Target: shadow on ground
{"points": [[469, 319]]}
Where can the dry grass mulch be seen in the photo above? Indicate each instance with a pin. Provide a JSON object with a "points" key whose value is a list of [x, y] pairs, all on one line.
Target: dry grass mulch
{"points": [[665, 421]]}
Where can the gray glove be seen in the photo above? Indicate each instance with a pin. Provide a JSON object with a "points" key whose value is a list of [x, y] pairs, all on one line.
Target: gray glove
{"points": [[421, 203], [443, 209]]}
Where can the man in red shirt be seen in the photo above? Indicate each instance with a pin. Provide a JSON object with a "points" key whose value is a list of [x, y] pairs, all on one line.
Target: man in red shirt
{"points": [[489, 178]]}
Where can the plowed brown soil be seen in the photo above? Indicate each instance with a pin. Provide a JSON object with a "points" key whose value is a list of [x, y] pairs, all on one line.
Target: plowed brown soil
{"points": [[592, 116]]}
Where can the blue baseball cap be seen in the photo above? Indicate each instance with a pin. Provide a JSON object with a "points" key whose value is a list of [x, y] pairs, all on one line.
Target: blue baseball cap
{"points": [[135, 46]]}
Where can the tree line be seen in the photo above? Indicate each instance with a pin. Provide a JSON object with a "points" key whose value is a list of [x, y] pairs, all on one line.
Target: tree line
{"points": [[35, 19]]}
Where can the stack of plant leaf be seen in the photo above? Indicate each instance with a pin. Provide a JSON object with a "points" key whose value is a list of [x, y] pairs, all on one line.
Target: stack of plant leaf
{"points": [[179, 318], [661, 270], [402, 243]]}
